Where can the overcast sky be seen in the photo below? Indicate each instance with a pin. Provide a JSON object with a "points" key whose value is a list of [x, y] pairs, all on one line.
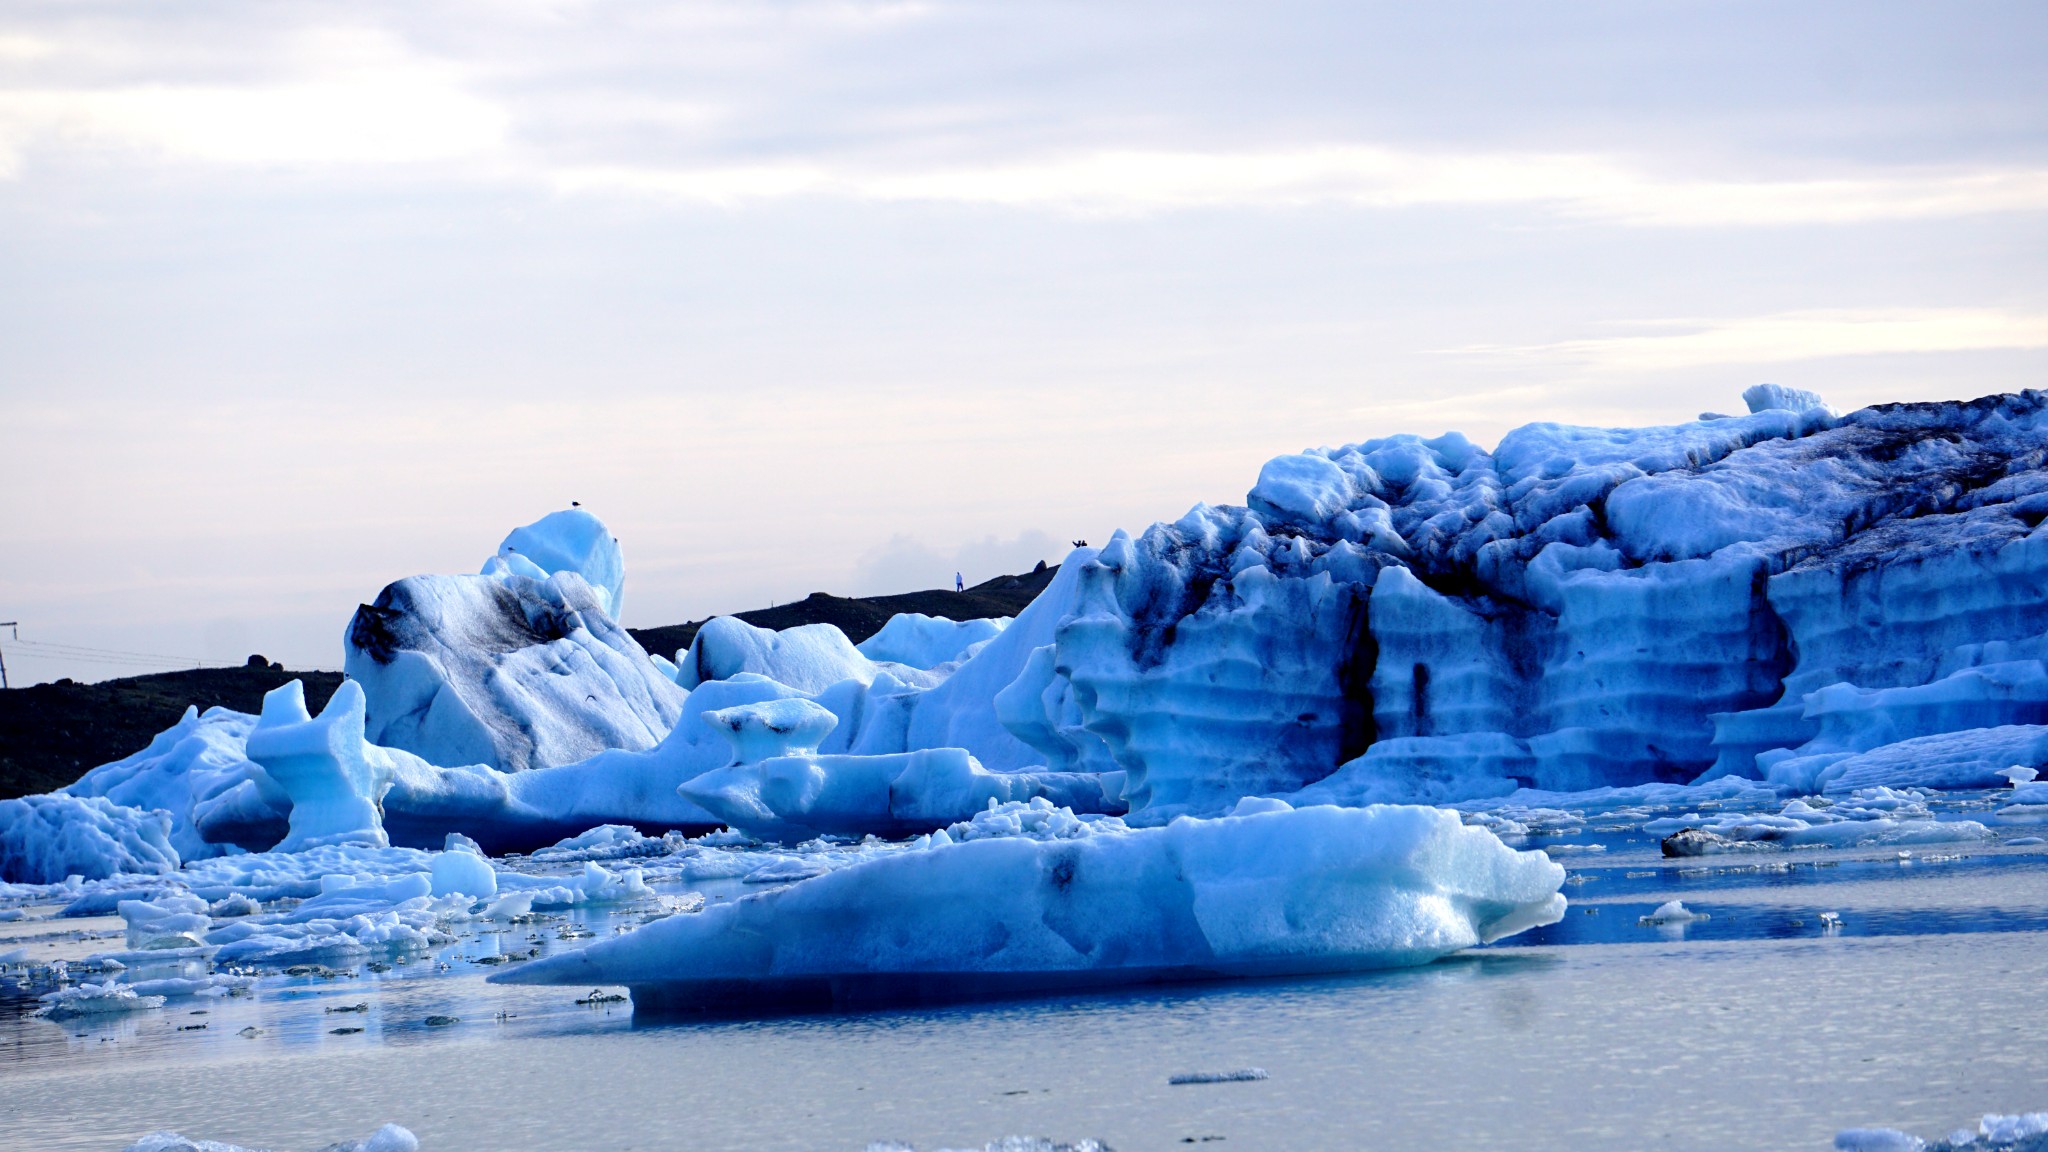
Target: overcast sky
{"points": [[297, 299]]}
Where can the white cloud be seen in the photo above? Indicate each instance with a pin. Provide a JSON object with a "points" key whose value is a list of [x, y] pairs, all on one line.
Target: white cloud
{"points": [[353, 98], [1790, 336], [1580, 186]]}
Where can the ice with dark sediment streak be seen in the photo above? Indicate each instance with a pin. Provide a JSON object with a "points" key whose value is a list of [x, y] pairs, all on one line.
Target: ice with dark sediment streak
{"points": [[1274, 890], [523, 666]]}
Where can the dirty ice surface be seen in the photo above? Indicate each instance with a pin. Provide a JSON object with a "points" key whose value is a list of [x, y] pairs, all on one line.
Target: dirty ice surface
{"points": [[1809, 989]]}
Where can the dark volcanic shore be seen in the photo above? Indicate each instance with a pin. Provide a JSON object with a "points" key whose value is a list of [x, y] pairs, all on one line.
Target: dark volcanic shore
{"points": [[51, 734]]}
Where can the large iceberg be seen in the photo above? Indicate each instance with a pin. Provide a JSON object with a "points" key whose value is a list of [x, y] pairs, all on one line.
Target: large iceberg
{"points": [[1273, 891], [1414, 619]]}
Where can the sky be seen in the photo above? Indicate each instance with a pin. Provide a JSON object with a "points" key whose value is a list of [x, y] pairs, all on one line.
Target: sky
{"points": [[299, 299]]}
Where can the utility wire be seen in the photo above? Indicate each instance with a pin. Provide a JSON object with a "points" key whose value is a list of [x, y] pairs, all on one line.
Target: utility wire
{"points": [[82, 650]]}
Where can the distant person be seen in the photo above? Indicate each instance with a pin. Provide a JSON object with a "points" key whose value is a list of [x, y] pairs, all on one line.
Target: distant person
{"points": [[959, 583]]}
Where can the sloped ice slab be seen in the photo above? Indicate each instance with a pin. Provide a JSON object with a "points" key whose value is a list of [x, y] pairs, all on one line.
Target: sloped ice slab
{"points": [[1278, 891]]}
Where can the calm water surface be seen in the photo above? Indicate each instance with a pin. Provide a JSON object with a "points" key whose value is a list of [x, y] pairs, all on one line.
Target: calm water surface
{"points": [[1760, 1027]]}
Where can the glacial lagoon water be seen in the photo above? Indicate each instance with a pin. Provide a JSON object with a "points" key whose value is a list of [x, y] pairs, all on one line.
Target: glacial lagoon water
{"points": [[1765, 1025]]}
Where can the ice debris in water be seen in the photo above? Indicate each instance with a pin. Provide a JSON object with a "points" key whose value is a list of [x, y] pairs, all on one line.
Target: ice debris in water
{"points": [[1672, 912], [608, 842], [389, 1138], [2026, 1132], [1240, 1074], [1872, 816], [1036, 819], [108, 999], [1006, 1144], [2019, 774]]}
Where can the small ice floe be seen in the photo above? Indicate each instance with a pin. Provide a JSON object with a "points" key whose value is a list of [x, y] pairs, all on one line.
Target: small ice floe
{"points": [[95, 1000], [1672, 912], [2017, 775], [389, 1138], [1993, 1132], [2024, 841], [1006, 1144], [1572, 849], [233, 904], [1831, 921], [1996, 1129], [786, 868], [1240, 1075], [1868, 817], [1877, 1140]]}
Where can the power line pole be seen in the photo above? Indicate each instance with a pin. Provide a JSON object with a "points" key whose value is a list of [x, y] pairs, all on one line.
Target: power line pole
{"points": [[15, 627]]}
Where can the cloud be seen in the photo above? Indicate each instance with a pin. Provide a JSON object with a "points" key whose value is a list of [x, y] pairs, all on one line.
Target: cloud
{"points": [[354, 97], [726, 107], [1590, 187], [1789, 336]]}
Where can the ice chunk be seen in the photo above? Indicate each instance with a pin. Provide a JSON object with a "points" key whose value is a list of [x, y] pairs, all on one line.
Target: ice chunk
{"points": [[464, 871], [809, 658], [1877, 1140], [1873, 816], [108, 999], [45, 838], [175, 921], [571, 540], [798, 797], [604, 842], [1295, 891], [772, 728], [1779, 398], [1970, 758], [920, 641], [1673, 912], [389, 1138], [1997, 1129], [336, 780]]}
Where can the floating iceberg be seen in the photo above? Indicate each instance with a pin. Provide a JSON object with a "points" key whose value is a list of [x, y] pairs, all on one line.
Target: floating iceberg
{"points": [[1276, 891]]}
